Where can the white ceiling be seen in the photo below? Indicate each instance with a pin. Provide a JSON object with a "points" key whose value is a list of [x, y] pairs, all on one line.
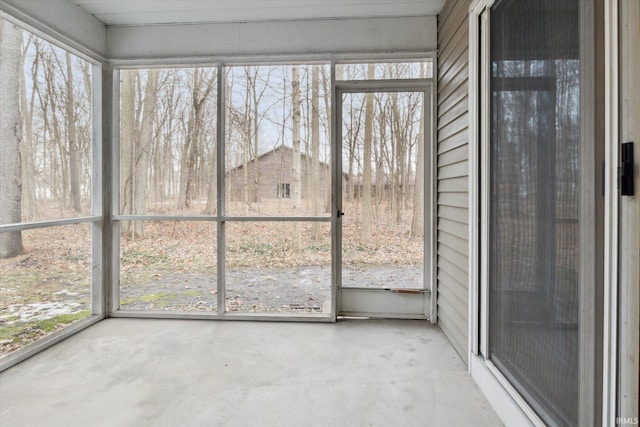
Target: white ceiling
{"points": [[147, 12]]}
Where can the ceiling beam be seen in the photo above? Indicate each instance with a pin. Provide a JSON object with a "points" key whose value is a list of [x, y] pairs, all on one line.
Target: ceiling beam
{"points": [[293, 38]]}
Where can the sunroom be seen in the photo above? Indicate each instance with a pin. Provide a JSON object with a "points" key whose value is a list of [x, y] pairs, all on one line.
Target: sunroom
{"points": [[354, 212]]}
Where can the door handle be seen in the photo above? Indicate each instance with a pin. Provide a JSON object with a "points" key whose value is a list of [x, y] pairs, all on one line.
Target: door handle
{"points": [[626, 170], [340, 213]]}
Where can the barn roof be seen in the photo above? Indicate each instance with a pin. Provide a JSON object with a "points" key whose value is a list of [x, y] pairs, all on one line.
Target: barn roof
{"points": [[281, 147]]}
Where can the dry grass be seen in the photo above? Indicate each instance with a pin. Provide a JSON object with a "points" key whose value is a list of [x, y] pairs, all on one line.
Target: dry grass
{"points": [[46, 288], [49, 286]]}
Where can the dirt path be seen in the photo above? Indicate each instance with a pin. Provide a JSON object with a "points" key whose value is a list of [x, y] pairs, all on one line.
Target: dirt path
{"points": [[294, 289]]}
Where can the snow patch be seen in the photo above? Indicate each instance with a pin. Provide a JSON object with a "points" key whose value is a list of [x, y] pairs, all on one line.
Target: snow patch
{"points": [[40, 311]]}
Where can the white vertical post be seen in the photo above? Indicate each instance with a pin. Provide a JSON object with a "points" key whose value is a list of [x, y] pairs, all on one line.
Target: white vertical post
{"points": [[98, 276], [220, 182], [610, 338], [629, 347], [112, 168], [336, 198]]}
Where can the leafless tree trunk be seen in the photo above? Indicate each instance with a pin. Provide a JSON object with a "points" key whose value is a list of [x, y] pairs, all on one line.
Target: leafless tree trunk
{"points": [[296, 173], [128, 139], [378, 152], [366, 172], [417, 223], [316, 185], [73, 147], [353, 135], [326, 80], [246, 149], [85, 126], [29, 206], [308, 143], [399, 159], [136, 143], [10, 137], [145, 144], [58, 168], [162, 173], [192, 152], [212, 182], [255, 122], [232, 115]]}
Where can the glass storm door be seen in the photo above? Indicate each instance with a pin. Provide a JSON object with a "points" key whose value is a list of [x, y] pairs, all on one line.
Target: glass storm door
{"points": [[544, 204], [383, 202]]}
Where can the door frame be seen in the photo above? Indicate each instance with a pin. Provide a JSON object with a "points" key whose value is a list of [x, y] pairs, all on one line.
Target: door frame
{"points": [[425, 86], [622, 340]]}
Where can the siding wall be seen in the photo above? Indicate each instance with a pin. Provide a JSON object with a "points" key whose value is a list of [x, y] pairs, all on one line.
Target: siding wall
{"points": [[453, 179]]}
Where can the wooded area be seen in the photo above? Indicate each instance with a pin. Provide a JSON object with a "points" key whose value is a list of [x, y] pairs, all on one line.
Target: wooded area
{"points": [[168, 152], [46, 134], [170, 168]]}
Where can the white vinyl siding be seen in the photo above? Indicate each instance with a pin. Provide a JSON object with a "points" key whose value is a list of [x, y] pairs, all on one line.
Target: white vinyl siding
{"points": [[453, 176]]}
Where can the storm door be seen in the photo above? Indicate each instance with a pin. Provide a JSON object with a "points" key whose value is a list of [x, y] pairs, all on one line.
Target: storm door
{"points": [[542, 197], [383, 201]]}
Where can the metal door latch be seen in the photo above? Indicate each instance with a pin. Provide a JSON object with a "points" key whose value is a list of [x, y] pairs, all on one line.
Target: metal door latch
{"points": [[626, 170], [340, 213]]}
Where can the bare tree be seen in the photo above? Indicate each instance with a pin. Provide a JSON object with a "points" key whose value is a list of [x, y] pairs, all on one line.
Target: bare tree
{"points": [[212, 183], [145, 144], [378, 152], [56, 169], [73, 146], [254, 130], [10, 137], [246, 148], [296, 173], [326, 80], [127, 144], [27, 155], [202, 85], [315, 147], [54, 92], [162, 160], [366, 178], [137, 119], [399, 146], [417, 222]]}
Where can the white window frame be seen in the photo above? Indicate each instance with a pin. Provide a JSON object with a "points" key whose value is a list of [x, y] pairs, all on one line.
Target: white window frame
{"points": [[222, 63], [509, 405]]}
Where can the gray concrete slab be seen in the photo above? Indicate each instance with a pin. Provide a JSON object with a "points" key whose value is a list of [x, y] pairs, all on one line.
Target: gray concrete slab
{"points": [[142, 372]]}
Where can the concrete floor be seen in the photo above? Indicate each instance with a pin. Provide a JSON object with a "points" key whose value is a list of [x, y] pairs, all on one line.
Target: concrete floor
{"points": [[139, 372]]}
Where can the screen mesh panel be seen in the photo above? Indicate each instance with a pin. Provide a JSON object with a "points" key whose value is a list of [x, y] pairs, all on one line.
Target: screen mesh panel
{"points": [[534, 195]]}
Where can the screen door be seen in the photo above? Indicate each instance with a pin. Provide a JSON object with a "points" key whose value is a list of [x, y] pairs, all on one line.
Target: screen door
{"points": [[383, 201]]}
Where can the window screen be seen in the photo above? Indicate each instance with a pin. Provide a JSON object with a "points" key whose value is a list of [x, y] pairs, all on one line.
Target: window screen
{"points": [[534, 238]]}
